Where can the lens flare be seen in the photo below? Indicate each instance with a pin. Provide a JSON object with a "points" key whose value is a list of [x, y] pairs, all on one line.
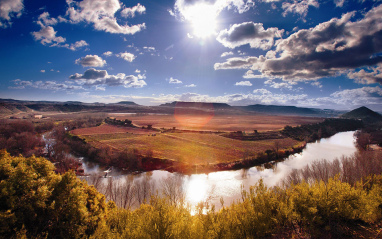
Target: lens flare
{"points": [[193, 114]]}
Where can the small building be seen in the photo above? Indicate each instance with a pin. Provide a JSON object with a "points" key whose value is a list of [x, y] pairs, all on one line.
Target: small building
{"points": [[37, 116]]}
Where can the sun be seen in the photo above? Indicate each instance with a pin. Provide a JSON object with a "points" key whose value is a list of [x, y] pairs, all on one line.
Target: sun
{"points": [[203, 19]]}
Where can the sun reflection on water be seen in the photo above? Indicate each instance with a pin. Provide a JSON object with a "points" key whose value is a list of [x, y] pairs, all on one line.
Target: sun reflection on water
{"points": [[197, 188]]}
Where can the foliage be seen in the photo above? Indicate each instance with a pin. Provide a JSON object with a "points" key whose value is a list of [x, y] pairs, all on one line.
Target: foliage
{"points": [[327, 128], [19, 137], [39, 203], [36, 202]]}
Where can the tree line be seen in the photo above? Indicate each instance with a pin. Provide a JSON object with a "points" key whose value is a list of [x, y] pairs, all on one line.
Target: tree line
{"points": [[325, 129]]}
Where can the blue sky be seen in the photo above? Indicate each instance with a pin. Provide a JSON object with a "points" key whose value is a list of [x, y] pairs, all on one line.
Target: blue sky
{"points": [[308, 53]]}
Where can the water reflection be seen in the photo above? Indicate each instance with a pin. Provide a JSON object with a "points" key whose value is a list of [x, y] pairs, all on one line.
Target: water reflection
{"points": [[227, 184]]}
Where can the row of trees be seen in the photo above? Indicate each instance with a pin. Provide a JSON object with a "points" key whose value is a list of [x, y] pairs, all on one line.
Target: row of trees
{"points": [[327, 128]]}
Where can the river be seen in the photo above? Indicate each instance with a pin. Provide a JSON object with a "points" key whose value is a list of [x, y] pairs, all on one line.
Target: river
{"points": [[227, 184]]}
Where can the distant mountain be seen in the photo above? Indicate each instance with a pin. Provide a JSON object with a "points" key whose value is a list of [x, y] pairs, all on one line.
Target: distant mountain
{"points": [[127, 103], [363, 113], [185, 104], [10, 107], [278, 109]]}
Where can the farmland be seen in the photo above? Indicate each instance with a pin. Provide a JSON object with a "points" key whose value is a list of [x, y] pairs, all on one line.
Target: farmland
{"points": [[192, 148], [218, 122]]}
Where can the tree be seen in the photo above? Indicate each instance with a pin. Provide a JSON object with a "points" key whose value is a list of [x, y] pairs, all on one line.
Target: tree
{"points": [[36, 202]]}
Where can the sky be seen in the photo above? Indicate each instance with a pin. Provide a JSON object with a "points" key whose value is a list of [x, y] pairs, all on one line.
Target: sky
{"points": [[307, 53]]}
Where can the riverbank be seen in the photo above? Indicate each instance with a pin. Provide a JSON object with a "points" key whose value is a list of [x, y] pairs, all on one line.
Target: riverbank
{"points": [[267, 159], [146, 149]]}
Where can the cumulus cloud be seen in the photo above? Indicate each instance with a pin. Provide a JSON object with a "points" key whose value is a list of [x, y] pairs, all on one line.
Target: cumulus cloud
{"points": [[130, 12], [126, 56], [327, 49], [90, 74], [250, 74], [339, 3], [100, 13], [228, 53], [370, 75], [236, 63], [108, 53], [91, 61], [250, 33], [45, 20], [100, 78], [243, 83], [47, 34], [10, 9], [299, 7], [77, 44], [174, 81]]}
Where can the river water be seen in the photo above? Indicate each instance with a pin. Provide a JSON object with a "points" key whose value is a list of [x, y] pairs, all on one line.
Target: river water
{"points": [[227, 184]]}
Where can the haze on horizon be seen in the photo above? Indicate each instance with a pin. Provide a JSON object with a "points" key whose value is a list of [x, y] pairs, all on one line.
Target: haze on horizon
{"points": [[306, 53]]}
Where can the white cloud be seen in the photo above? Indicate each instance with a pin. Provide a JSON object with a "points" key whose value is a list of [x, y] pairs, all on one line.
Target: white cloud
{"points": [[243, 83], [149, 48], [130, 12], [339, 3], [126, 56], [47, 35], [108, 53], [174, 81], [91, 61], [251, 75], [42, 71], [250, 33], [100, 78], [45, 85], [328, 49], [236, 63], [45, 20], [369, 75], [190, 86], [365, 96], [281, 85], [77, 44], [317, 84], [182, 7], [101, 13], [299, 6], [10, 9], [228, 53]]}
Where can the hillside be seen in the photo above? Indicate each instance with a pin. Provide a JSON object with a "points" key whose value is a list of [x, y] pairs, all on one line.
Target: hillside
{"points": [[277, 109], [363, 113]]}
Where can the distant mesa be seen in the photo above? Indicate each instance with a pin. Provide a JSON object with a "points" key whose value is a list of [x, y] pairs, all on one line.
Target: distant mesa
{"points": [[364, 114], [127, 103], [185, 104], [278, 109]]}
